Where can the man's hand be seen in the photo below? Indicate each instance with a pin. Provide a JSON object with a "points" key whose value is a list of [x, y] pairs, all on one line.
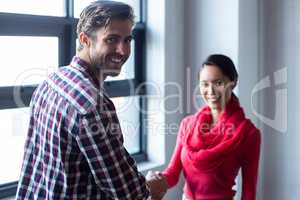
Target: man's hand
{"points": [[158, 185]]}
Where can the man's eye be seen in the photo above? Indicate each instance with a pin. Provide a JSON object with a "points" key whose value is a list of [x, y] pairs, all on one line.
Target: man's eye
{"points": [[111, 40], [128, 40]]}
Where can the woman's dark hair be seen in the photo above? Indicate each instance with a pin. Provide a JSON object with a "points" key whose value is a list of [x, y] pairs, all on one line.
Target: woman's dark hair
{"points": [[224, 63]]}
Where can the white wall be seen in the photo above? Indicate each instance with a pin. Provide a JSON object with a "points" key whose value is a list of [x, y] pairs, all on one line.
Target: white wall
{"points": [[281, 148], [249, 64], [261, 37], [165, 72], [211, 26]]}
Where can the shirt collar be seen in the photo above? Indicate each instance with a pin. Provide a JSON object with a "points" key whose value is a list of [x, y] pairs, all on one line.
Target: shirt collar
{"points": [[84, 67]]}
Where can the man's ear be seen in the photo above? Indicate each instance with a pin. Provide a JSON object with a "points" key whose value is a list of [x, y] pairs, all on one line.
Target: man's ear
{"points": [[84, 39]]}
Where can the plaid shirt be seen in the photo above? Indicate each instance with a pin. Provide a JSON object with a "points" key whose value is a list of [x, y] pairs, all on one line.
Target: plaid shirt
{"points": [[74, 148]]}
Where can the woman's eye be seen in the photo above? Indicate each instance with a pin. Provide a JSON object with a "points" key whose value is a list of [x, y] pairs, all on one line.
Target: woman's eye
{"points": [[203, 84], [219, 83]]}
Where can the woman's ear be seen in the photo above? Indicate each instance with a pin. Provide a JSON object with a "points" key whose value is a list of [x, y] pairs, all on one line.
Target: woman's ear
{"points": [[232, 84], [235, 83]]}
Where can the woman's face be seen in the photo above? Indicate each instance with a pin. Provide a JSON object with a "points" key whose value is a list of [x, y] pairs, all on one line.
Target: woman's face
{"points": [[215, 87]]}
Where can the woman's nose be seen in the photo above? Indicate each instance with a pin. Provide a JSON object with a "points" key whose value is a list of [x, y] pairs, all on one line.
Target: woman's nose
{"points": [[211, 89]]}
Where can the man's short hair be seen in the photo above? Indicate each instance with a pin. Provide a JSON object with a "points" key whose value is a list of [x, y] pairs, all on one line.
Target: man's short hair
{"points": [[99, 14]]}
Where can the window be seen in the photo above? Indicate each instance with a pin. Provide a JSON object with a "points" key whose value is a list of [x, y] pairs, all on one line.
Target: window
{"points": [[33, 7], [35, 39], [15, 50]]}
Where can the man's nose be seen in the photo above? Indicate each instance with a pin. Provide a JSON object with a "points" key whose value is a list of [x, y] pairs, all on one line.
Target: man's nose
{"points": [[122, 48]]}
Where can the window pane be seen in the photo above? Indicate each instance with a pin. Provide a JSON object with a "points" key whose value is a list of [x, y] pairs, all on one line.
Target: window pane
{"points": [[14, 125], [79, 5], [33, 7], [128, 113], [27, 60]]}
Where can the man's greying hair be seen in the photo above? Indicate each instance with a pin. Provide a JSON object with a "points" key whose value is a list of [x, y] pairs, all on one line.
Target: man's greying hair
{"points": [[99, 14]]}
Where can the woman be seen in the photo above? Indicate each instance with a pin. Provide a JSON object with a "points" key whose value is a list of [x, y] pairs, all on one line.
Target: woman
{"points": [[213, 144]]}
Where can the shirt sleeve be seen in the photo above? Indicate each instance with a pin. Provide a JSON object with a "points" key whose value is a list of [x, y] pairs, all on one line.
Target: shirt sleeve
{"points": [[113, 169], [250, 164], [172, 172]]}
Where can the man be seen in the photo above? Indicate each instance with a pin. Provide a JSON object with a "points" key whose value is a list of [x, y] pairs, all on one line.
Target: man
{"points": [[74, 148]]}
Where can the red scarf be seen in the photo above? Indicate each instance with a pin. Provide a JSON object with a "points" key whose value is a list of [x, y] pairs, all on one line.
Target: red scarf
{"points": [[208, 147]]}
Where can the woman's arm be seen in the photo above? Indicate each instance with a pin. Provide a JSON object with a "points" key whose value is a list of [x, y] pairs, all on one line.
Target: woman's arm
{"points": [[172, 172], [250, 164]]}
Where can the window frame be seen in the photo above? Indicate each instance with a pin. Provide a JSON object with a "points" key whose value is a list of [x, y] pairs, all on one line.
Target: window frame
{"points": [[65, 29]]}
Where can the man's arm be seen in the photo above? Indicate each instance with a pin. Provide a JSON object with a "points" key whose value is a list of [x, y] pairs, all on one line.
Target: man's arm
{"points": [[114, 170]]}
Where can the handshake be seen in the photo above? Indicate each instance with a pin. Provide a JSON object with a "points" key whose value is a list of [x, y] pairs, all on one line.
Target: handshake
{"points": [[157, 184]]}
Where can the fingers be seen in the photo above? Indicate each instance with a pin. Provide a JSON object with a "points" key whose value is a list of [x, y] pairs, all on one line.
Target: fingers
{"points": [[149, 175], [157, 185], [154, 175]]}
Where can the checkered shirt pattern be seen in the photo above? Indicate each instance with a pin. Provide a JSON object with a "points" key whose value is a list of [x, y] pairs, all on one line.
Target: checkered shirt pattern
{"points": [[74, 148]]}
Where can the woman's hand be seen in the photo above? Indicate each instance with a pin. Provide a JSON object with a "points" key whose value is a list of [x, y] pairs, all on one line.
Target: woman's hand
{"points": [[158, 185]]}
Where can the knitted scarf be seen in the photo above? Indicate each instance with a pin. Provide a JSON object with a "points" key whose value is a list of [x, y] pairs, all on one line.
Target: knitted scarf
{"points": [[207, 147]]}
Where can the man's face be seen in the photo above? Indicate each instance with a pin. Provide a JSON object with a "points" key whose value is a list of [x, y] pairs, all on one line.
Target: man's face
{"points": [[110, 48]]}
